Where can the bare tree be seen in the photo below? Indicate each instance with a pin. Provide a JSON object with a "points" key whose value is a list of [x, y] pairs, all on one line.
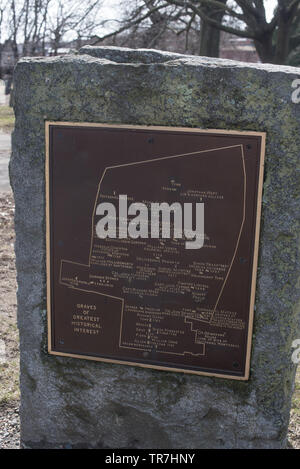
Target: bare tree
{"points": [[209, 35], [14, 25], [2, 10], [32, 26], [147, 21], [27, 26], [72, 17], [275, 40]]}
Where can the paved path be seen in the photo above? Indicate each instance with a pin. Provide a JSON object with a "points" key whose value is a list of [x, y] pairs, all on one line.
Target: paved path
{"points": [[5, 149], [4, 99]]}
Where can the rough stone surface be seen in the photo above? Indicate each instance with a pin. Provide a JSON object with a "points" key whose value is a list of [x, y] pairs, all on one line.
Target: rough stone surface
{"points": [[125, 55], [77, 403]]}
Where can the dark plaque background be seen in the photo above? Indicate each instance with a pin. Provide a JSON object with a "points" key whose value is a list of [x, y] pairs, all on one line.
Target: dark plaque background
{"points": [[152, 302]]}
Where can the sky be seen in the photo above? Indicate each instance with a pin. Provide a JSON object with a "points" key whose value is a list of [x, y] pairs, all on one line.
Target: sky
{"points": [[270, 5]]}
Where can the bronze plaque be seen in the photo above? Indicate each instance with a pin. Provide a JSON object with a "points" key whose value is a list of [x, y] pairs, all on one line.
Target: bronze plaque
{"points": [[147, 301]]}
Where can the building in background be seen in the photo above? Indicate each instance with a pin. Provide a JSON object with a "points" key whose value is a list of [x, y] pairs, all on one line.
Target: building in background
{"points": [[237, 48]]}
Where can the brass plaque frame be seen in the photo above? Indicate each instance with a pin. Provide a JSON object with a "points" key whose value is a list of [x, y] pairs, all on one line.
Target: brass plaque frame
{"points": [[153, 129]]}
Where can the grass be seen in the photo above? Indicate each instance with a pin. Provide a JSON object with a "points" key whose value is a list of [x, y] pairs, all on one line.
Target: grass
{"points": [[7, 118], [9, 371], [9, 388]]}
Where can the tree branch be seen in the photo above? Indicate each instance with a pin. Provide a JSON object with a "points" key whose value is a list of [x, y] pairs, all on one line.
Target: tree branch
{"points": [[212, 22], [130, 24]]}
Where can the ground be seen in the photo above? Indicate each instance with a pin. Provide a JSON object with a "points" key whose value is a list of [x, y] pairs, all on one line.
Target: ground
{"points": [[9, 354], [6, 118]]}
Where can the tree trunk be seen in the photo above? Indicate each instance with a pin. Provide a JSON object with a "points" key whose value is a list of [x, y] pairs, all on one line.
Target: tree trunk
{"points": [[209, 41], [274, 46], [15, 50], [210, 36], [274, 50], [283, 39]]}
